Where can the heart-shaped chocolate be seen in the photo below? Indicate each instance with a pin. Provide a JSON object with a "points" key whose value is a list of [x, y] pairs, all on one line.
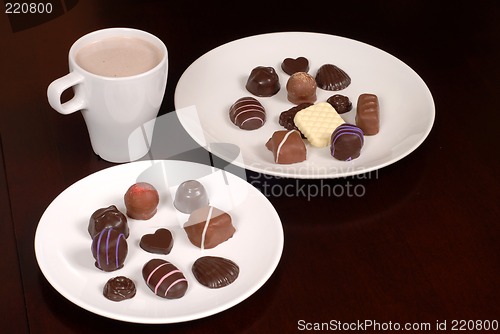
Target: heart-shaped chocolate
{"points": [[291, 66], [160, 242]]}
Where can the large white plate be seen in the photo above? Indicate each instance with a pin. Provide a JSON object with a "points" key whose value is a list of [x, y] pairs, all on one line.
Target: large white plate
{"points": [[217, 79], [62, 243]]}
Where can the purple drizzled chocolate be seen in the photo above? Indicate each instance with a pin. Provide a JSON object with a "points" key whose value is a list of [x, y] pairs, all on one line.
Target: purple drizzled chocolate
{"points": [[109, 249], [346, 142]]}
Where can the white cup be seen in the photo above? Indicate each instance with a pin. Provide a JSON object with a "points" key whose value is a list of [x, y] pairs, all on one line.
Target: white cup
{"points": [[119, 111]]}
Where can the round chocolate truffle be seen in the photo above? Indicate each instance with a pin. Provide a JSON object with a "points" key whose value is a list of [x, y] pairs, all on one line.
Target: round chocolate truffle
{"points": [[190, 195], [108, 217], [263, 81], [301, 88], [247, 113], [331, 77], [119, 288], [164, 279], [346, 142], [109, 249], [141, 201], [341, 103]]}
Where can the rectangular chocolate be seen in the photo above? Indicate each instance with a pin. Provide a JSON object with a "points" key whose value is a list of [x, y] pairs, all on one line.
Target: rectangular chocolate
{"points": [[367, 114]]}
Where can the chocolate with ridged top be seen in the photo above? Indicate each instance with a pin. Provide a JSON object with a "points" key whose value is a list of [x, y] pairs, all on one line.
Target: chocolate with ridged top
{"points": [[164, 279], [331, 77], [247, 113], [208, 227], [215, 272], [301, 88], [367, 114], [341, 103], [263, 81], [109, 249], [346, 142], [119, 288], [141, 201], [108, 217]]}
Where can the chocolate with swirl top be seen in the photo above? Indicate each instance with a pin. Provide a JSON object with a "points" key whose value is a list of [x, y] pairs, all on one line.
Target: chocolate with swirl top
{"points": [[119, 288]]}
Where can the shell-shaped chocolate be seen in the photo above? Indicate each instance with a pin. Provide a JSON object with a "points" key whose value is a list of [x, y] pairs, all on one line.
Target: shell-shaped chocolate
{"points": [[247, 113], [331, 77], [109, 249], [215, 272]]}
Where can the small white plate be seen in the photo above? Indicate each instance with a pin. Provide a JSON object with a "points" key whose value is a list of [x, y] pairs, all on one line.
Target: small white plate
{"points": [[62, 242], [217, 79]]}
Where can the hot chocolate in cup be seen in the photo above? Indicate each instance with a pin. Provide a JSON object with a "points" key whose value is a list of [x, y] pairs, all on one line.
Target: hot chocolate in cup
{"points": [[119, 77]]}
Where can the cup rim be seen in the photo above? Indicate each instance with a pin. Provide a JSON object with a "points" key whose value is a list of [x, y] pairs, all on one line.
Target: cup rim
{"points": [[116, 31]]}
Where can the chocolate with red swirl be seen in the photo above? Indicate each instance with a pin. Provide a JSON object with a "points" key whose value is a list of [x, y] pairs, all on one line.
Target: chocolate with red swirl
{"points": [[164, 279], [247, 113]]}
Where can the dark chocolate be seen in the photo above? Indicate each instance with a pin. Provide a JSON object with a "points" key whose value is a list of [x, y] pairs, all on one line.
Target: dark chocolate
{"points": [[367, 114], [346, 142], [287, 147], [208, 227], [247, 113], [341, 103], [291, 66], [263, 81], [215, 272], [331, 77], [287, 116], [141, 201], [301, 88], [164, 279], [108, 217], [109, 249], [160, 242], [119, 288]]}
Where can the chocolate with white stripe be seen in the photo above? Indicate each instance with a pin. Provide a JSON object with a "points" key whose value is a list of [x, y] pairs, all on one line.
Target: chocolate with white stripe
{"points": [[208, 227], [287, 147], [247, 113]]}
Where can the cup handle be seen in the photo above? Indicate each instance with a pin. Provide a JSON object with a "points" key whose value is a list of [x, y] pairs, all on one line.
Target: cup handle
{"points": [[58, 86]]}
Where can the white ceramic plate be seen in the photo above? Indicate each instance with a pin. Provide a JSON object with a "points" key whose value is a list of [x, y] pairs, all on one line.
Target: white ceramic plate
{"points": [[62, 243], [217, 79]]}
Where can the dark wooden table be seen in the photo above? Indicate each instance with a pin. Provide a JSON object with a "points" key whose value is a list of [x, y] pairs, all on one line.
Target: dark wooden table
{"points": [[421, 246]]}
